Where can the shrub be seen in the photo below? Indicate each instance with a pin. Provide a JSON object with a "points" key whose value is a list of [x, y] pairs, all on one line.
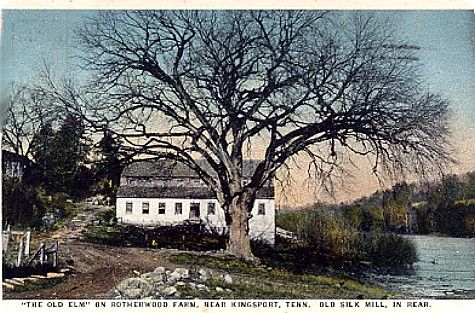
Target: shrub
{"points": [[389, 250], [326, 237]]}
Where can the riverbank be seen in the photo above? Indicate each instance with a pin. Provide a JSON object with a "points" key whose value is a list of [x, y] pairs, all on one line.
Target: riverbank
{"points": [[99, 268]]}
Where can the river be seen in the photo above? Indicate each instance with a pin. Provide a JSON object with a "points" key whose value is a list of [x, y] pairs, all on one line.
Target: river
{"points": [[446, 269]]}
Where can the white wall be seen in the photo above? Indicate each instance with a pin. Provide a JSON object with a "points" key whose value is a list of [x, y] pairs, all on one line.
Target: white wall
{"points": [[261, 227]]}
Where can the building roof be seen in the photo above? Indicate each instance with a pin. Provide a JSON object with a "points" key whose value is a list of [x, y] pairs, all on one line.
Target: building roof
{"points": [[8, 156], [180, 192], [172, 168]]}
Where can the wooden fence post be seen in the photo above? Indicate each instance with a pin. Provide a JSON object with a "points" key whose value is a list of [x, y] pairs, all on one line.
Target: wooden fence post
{"points": [[27, 243], [42, 253], [20, 252], [55, 254]]}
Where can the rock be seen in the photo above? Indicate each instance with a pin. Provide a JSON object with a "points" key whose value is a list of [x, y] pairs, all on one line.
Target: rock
{"points": [[228, 279], [168, 272], [153, 277], [219, 289], [160, 270], [228, 290], [202, 287], [136, 272], [65, 270], [127, 288], [55, 275], [203, 272], [184, 272], [192, 285], [169, 291], [135, 293], [180, 283], [173, 277]]}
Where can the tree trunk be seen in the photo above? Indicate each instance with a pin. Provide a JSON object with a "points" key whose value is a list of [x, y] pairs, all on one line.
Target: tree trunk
{"points": [[239, 240]]}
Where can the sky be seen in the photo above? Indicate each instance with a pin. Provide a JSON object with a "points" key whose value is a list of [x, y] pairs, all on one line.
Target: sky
{"points": [[30, 38]]}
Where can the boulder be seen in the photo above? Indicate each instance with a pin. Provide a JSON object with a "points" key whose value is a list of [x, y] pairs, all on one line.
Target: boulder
{"points": [[227, 279], [160, 270], [169, 291], [184, 272], [153, 277], [135, 293], [129, 287], [173, 277], [202, 287]]}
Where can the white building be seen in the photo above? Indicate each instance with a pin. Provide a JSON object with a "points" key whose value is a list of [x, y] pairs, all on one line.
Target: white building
{"points": [[157, 193]]}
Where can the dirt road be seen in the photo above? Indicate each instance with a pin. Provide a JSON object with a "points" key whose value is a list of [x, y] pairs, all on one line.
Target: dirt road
{"points": [[98, 268]]}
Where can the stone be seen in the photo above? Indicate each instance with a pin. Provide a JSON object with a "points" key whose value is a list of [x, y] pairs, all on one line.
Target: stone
{"points": [[228, 279], [169, 291], [168, 272], [203, 272], [180, 283], [202, 287], [127, 287], [153, 277], [173, 277], [219, 289], [192, 285], [135, 293], [160, 270], [184, 272], [55, 275]]}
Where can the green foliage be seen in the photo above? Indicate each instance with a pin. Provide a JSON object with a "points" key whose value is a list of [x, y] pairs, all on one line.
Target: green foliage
{"points": [[270, 283], [21, 204], [328, 237], [389, 250], [60, 156]]}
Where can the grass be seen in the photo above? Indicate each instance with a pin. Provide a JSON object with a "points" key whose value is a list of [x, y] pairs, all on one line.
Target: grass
{"points": [[271, 283]]}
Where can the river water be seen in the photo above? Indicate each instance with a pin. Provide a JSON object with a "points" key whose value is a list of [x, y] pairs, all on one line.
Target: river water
{"points": [[446, 269]]}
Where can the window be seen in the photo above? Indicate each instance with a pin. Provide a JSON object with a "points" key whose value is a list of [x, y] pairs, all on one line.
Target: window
{"points": [[211, 208], [261, 209], [145, 208], [178, 208], [194, 210], [128, 207], [161, 208]]}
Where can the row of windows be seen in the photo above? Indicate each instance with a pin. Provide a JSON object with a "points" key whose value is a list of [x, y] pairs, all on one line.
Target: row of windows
{"points": [[261, 210]]}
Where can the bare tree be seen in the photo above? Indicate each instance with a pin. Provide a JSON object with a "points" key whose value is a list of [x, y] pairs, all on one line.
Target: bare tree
{"points": [[216, 85], [26, 114]]}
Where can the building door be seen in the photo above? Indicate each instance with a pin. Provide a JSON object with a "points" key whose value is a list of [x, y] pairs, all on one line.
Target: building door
{"points": [[194, 211]]}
